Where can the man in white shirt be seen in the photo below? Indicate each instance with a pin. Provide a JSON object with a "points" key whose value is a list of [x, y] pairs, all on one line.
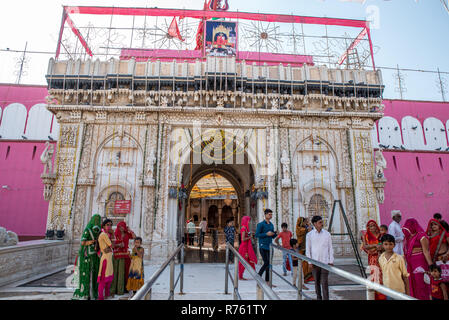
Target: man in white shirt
{"points": [[319, 247], [396, 231]]}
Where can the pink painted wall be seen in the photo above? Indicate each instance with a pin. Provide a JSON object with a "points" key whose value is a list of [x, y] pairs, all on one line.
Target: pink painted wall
{"points": [[417, 192], [22, 206]]}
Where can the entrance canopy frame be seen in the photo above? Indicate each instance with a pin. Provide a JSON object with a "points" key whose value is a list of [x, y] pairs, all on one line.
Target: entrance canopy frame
{"points": [[205, 14]]}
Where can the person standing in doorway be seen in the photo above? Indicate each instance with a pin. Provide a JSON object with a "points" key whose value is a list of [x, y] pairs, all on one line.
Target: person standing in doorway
{"points": [[319, 247], [265, 232], [191, 229], [203, 230], [396, 231], [229, 231]]}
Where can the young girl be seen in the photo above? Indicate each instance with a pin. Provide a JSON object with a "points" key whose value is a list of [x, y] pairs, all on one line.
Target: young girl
{"points": [[295, 247], [438, 289], [135, 277], [383, 230]]}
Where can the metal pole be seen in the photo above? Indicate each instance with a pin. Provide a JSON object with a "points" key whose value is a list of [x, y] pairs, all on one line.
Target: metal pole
{"points": [[236, 276], [148, 295], [226, 270], [299, 283], [260, 295], [172, 279], [181, 284], [441, 86], [270, 267]]}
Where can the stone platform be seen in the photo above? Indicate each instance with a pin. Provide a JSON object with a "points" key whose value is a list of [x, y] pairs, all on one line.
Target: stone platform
{"points": [[27, 259]]}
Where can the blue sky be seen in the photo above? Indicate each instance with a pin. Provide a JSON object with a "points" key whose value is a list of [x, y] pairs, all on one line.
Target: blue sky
{"points": [[410, 33]]}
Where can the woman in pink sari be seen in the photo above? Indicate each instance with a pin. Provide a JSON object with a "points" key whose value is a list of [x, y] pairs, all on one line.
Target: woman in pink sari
{"points": [[417, 255], [246, 249]]}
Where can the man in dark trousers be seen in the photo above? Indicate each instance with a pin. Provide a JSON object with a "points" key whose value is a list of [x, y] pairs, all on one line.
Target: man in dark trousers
{"points": [[265, 232]]}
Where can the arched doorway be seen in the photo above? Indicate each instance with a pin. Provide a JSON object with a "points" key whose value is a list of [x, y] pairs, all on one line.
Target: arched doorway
{"points": [[213, 196]]}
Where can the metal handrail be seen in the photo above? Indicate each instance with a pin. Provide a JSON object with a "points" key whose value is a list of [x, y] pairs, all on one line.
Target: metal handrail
{"points": [[262, 286], [144, 293], [368, 283]]}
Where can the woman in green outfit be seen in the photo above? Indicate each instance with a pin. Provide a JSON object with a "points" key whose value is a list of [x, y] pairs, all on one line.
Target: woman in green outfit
{"points": [[88, 261]]}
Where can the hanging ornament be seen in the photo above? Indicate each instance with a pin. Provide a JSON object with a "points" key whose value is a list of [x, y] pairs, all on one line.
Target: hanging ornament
{"points": [[228, 200]]}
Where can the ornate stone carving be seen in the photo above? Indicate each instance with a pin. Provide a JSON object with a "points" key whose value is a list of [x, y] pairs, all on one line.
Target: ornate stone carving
{"points": [[379, 178], [46, 158], [68, 137], [78, 212], [285, 161], [48, 180], [149, 168], [381, 164]]}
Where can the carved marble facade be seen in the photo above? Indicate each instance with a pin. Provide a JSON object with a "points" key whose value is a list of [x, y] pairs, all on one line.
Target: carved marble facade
{"points": [[300, 156]]}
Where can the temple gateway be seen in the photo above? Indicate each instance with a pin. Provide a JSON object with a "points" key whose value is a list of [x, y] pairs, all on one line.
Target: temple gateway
{"points": [[137, 136]]}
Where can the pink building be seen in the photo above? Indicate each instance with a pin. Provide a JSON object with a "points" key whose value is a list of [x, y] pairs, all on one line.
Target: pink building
{"points": [[417, 177], [25, 126]]}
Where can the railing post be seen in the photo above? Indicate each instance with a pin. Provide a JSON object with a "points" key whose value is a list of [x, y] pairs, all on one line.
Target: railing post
{"points": [[299, 283], [148, 295], [172, 279], [270, 266], [181, 281], [236, 276], [259, 293], [226, 269]]}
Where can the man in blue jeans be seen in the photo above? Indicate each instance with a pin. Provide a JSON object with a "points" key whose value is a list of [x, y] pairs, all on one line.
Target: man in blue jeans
{"points": [[265, 232]]}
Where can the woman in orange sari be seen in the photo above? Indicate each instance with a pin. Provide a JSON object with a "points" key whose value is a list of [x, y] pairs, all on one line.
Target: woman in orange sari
{"points": [[438, 241], [246, 248], [371, 245]]}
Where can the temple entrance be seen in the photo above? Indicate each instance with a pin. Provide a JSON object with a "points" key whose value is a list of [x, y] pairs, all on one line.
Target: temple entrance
{"points": [[213, 199], [216, 194]]}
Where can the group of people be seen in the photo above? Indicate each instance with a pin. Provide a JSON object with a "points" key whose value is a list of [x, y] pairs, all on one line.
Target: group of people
{"points": [[104, 265], [315, 243], [408, 259], [404, 258]]}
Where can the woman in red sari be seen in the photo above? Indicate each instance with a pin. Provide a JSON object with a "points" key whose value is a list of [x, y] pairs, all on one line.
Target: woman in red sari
{"points": [[438, 241], [417, 256], [122, 261], [246, 249], [371, 241]]}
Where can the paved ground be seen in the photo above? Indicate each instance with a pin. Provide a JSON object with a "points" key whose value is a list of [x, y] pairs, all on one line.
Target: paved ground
{"points": [[202, 281]]}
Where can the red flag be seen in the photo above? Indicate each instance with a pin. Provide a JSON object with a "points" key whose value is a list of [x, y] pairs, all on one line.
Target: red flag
{"points": [[200, 36], [200, 30], [173, 30]]}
